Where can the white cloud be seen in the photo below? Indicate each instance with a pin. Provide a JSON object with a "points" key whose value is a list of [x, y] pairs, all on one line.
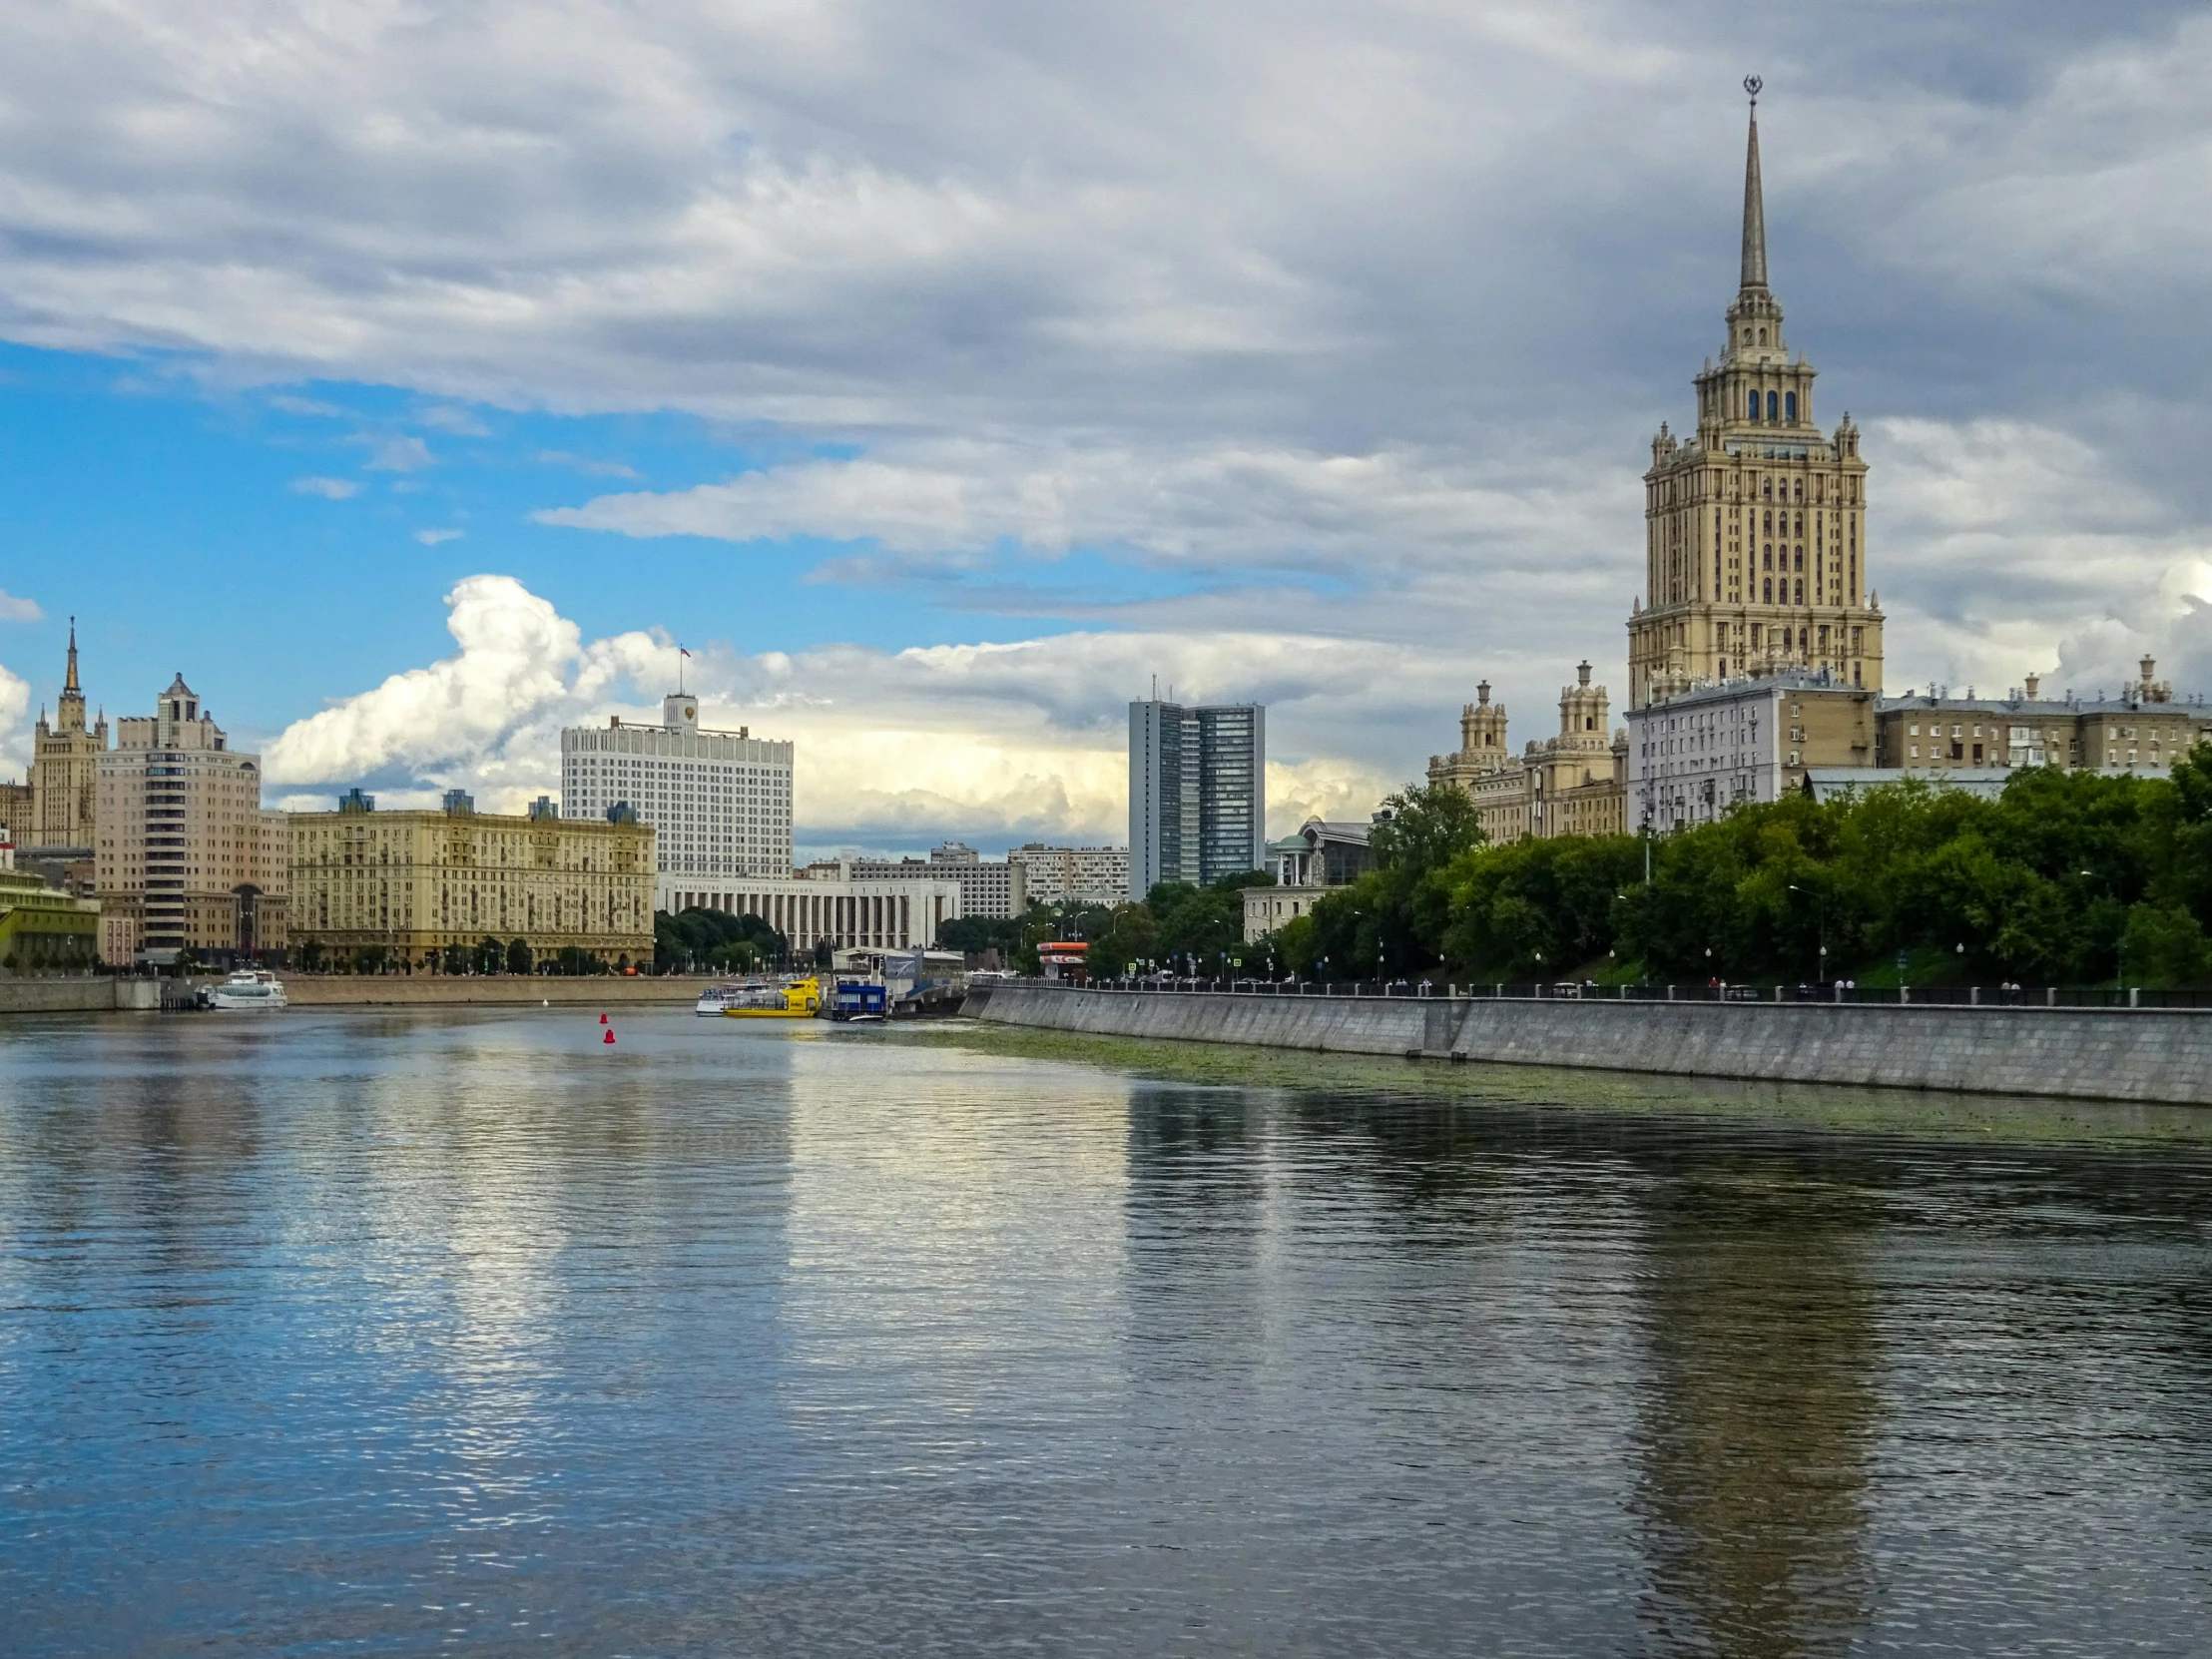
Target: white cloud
{"points": [[14, 609], [585, 465], [431, 538], [447, 417], [308, 406], [2006, 548], [1352, 318], [15, 703], [1216, 505], [398, 454], [513, 654], [331, 490], [990, 741]]}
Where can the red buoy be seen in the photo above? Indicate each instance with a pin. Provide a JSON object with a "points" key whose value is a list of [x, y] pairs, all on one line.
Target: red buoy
{"points": [[602, 1019], [610, 1038]]}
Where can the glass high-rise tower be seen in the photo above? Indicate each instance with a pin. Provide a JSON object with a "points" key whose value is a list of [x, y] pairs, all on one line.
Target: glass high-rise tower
{"points": [[1197, 806]]}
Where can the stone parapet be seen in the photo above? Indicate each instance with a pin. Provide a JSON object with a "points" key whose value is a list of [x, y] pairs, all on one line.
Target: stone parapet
{"points": [[2162, 1055]]}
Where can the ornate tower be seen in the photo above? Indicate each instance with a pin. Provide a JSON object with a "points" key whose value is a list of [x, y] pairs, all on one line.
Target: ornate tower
{"points": [[1481, 751], [1755, 551], [63, 760]]}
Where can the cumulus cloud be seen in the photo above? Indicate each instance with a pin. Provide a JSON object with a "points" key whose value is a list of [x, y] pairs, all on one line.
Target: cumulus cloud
{"points": [[331, 490], [15, 703], [998, 743], [14, 609]]}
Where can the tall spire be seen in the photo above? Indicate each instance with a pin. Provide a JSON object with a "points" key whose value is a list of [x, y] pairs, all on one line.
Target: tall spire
{"points": [[1755, 211], [70, 685]]}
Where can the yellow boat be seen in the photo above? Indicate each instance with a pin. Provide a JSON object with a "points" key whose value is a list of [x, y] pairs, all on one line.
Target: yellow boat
{"points": [[795, 999]]}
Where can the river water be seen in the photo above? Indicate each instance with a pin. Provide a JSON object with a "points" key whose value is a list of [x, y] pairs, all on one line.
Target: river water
{"points": [[370, 1334]]}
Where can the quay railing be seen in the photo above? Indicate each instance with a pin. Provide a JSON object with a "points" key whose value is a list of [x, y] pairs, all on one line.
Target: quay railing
{"points": [[2003, 995]]}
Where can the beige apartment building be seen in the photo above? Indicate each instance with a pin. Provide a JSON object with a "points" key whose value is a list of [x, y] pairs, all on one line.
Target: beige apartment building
{"points": [[186, 857], [2142, 730], [409, 884], [63, 778], [1574, 782], [1756, 542]]}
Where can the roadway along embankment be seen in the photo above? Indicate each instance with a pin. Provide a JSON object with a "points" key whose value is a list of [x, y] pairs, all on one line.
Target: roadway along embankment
{"points": [[2090, 1053]]}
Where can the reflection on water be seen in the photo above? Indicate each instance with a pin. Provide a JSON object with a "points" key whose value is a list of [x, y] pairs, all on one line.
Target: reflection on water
{"points": [[1758, 1411], [383, 1333]]}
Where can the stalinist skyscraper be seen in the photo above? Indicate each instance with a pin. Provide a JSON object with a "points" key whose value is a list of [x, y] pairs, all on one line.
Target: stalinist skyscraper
{"points": [[1754, 552]]}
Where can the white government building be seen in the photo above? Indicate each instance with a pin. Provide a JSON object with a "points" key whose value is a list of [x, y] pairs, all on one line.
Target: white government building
{"points": [[720, 803]]}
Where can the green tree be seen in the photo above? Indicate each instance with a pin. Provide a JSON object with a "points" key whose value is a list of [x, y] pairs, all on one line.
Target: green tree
{"points": [[1534, 908], [1199, 930], [1424, 827], [1130, 935], [518, 956], [1296, 943], [700, 940]]}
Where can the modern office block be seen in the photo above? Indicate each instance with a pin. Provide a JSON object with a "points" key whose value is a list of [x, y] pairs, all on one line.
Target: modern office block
{"points": [[1197, 792]]}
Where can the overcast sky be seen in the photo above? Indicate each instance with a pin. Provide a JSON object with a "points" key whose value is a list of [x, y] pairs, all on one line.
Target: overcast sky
{"points": [[414, 378]]}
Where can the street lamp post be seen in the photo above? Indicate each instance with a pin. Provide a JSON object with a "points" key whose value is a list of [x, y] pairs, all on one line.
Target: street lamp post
{"points": [[1820, 911]]}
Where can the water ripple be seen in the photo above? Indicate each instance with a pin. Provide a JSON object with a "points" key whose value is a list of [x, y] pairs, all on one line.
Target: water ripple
{"points": [[364, 1334]]}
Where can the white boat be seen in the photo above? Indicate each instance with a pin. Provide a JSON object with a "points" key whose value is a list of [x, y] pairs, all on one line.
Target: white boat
{"points": [[248, 988], [718, 999]]}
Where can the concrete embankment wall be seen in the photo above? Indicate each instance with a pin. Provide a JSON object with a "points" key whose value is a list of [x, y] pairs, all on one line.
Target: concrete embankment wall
{"points": [[97, 995], [2109, 1054]]}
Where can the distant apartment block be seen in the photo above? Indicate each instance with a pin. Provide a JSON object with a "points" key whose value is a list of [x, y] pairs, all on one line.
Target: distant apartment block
{"points": [[1073, 874], [993, 887], [1197, 792], [2144, 729], [1695, 753]]}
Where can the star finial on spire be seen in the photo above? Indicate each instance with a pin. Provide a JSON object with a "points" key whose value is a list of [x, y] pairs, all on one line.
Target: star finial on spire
{"points": [[1755, 211]]}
